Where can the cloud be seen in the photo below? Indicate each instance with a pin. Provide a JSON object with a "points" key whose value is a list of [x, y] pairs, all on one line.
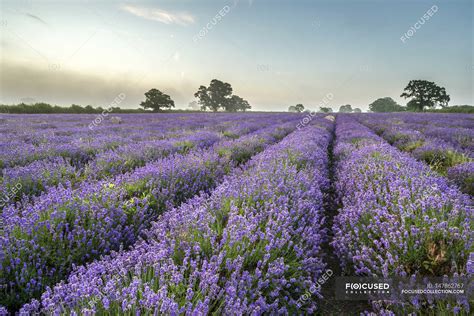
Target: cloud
{"points": [[156, 14], [29, 82]]}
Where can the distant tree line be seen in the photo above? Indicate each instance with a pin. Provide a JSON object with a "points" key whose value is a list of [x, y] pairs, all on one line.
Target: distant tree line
{"points": [[424, 96], [455, 109], [348, 109], [217, 97], [296, 108], [324, 109], [386, 104], [342, 109], [45, 108]]}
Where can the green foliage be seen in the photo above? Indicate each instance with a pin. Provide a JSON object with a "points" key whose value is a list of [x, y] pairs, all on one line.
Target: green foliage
{"points": [[424, 94], [184, 146], [345, 108], [410, 145], [455, 109], [386, 104], [45, 108], [230, 135], [296, 108], [219, 96], [212, 99], [325, 109], [299, 107], [157, 100], [467, 184], [441, 160], [236, 103]]}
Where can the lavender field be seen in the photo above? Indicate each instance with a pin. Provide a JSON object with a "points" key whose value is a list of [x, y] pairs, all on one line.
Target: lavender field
{"points": [[231, 213]]}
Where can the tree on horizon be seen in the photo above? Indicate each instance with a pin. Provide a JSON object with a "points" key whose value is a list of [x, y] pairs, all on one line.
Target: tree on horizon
{"points": [[386, 104], [157, 100], [425, 94], [345, 108], [218, 96]]}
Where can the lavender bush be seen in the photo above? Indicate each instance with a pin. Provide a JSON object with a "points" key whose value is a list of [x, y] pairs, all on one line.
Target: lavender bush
{"points": [[223, 213], [44, 238], [431, 139], [113, 157], [252, 247], [397, 216]]}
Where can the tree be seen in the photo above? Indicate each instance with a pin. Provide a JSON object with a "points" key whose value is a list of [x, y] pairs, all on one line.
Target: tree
{"points": [[89, 109], [204, 99], [425, 94], [156, 100], [236, 103], [357, 110], [325, 110], [345, 108], [216, 96], [76, 108], [386, 104], [296, 108]]}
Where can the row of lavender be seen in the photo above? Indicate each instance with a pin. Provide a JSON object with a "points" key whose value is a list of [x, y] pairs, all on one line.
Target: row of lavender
{"points": [[43, 239], [30, 137], [252, 246], [33, 137], [114, 157], [445, 142], [398, 218], [236, 251]]}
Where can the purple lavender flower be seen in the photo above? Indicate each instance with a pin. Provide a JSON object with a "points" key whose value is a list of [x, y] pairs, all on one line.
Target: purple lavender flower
{"points": [[67, 225], [257, 236], [463, 176], [398, 217]]}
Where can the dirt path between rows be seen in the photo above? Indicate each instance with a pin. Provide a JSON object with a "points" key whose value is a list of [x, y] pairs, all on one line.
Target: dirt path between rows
{"points": [[328, 305]]}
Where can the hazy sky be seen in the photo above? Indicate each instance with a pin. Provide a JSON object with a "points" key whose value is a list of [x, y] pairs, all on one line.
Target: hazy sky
{"points": [[274, 53]]}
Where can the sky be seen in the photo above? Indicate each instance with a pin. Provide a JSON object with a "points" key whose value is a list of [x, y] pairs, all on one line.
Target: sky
{"points": [[274, 53]]}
